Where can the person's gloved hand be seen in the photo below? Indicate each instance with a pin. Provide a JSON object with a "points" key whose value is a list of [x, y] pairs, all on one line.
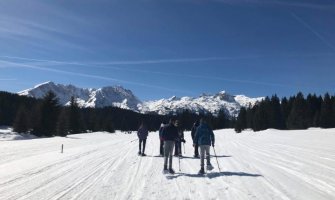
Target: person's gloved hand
{"points": [[212, 144], [183, 140], [193, 145]]}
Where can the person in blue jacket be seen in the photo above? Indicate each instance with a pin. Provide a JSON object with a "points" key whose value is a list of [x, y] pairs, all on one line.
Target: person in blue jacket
{"points": [[204, 137]]}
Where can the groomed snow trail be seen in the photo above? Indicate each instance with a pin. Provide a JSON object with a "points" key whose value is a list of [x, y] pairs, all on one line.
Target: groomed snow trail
{"points": [[265, 165]]}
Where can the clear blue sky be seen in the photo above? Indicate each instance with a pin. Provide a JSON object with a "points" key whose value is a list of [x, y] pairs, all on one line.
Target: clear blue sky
{"points": [[161, 48]]}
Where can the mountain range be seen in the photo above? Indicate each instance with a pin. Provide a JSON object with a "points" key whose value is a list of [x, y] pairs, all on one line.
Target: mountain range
{"points": [[124, 98]]}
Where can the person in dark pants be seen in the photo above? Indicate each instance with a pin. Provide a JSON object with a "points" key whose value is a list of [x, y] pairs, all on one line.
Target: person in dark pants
{"points": [[161, 145], [196, 146], [180, 139], [170, 134], [204, 136], [142, 134]]}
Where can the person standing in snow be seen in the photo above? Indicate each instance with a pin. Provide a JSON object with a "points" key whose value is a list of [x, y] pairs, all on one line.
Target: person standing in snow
{"points": [[170, 134], [204, 136], [142, 134], [161, 141], [196, 146], [180, 139]]}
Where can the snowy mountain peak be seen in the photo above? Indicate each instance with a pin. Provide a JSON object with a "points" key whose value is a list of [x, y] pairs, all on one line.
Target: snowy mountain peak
{"points": [[173, 98], [205, 103], [124, 98], [102, 97], [44, 84], [222, 92]]}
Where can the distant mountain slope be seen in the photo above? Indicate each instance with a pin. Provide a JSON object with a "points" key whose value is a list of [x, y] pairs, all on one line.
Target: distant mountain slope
{"points": [[123, 98], [102, 97], [202, 104]]}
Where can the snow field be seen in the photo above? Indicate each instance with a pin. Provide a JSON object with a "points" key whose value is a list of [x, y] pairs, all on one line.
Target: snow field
{"points": [[265, 165]]}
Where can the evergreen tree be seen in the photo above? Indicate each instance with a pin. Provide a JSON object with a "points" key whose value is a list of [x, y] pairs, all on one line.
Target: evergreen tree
{"points": [[63, 126], [250, 116], [298, 115], [49, 110], [221, 120], [327, 112], [75, 118], [260, 121], [21, 122], [241, 122], [313, 107], [276, 119], [285, 110]]}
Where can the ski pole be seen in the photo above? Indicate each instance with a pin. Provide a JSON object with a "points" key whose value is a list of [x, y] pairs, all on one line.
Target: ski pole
{"points": [[184, 148], [179, 162], [217, 160]]}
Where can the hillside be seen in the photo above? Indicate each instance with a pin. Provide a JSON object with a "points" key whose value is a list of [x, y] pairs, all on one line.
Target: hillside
{"points": [[120, 97]]}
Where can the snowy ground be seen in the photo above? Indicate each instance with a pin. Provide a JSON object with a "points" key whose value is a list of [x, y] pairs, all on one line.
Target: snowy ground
{"points": [[266, 165]]}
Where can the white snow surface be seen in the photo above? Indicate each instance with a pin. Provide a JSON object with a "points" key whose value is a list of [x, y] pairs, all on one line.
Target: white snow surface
{"points": [[119, 97], [6, 133], [266, 165]]}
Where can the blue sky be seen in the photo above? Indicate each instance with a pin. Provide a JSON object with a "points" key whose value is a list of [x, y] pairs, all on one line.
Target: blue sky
{"points": [[159, 48]]}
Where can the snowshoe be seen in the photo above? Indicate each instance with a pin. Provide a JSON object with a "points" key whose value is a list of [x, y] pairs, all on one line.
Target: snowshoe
{"points": [[209, 167], [171, 171], [201, 172], [165, 170], [143, 154]]}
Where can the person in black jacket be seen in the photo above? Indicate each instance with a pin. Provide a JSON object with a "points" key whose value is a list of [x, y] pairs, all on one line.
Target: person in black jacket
{"points": [[161, 141], [180, 139], [196, 146], [170, 134]]}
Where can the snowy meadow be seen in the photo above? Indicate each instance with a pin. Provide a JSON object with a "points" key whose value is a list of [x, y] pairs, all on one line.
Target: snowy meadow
{"points": [[265, 165]]}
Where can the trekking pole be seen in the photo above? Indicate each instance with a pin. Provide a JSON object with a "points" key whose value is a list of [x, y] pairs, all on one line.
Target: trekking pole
{"points": [[184, 148], [217, 160], [179, 163]]}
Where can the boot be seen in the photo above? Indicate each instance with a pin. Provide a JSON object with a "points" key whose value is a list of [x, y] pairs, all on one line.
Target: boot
{"points": [[143, 154], [171, 171], [209, 167], [202, 171]]}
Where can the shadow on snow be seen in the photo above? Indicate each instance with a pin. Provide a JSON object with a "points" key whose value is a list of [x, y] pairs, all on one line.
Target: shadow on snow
{"points": [[212, 175]]}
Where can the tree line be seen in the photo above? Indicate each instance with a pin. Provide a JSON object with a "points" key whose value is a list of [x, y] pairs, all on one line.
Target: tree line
{"points": [[45, 117], [296, 112]]}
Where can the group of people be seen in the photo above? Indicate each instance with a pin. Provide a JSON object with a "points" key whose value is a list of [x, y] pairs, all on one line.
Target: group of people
{"points": [[171, 137]]}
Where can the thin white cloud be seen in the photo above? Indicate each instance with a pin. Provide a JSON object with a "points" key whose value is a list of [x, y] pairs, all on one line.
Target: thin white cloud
{"points": [[110, 65], [8, 79], [314, 31], [141, 62], [292, 3], [29, 66]]}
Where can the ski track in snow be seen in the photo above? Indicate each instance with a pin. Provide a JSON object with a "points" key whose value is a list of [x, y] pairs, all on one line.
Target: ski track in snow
{"points": [[266, 165]]}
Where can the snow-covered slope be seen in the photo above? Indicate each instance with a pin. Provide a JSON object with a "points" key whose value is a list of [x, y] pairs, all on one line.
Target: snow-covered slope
{"points": [[123, 98], [203, 104], [102, 97], [265, 165]]}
